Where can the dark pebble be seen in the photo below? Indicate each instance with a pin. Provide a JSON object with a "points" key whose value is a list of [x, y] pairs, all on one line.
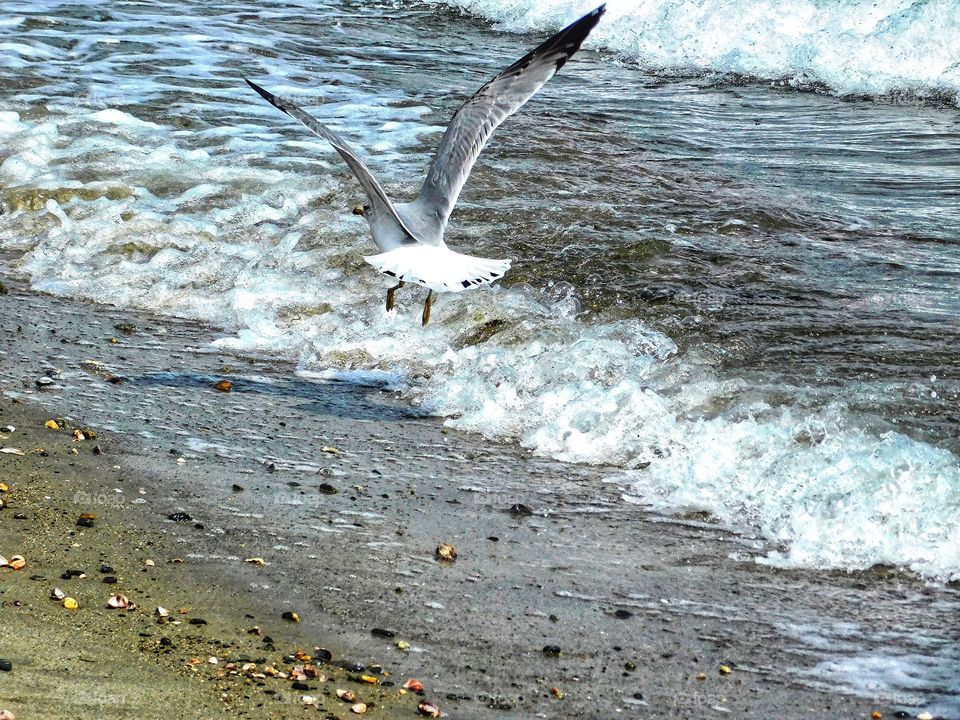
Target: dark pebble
{"points": [[20, 516], [37, 578], [85, 522], [237, 488], [166, 642], [554, 618], [327, 489], [109, 580], [351, 666], [520, 509], [638, 696], [630, 665], [197, 621], [900, 714], [71, 574], [623, 614], [97, 450], [381, 632], [493, 538], [106, 569], [301, 686], [551, 650], [322, 655], [6, 665], [179, 517]]}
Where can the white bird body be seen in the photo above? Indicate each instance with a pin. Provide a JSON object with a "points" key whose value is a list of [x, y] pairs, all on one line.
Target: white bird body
{"points": [[410, 235]]}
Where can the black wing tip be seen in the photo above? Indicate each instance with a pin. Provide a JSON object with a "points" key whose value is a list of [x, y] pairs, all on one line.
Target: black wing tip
{"points": [[265, 94], [260, 91], [589, 21]]}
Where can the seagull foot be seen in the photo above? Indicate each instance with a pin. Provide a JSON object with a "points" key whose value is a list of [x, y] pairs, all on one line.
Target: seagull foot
{"points": [[426, 308], [390, 301]]}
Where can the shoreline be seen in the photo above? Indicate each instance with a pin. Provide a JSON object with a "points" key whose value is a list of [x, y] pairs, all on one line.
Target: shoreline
{"points": [[345, 495]]}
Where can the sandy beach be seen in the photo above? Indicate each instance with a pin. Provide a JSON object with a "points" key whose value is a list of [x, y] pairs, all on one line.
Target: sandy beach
{"points": [[562, 602], [215, 654]]}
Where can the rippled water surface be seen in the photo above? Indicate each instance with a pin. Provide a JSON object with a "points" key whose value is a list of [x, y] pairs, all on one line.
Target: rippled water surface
{"points": [[745, 296]]}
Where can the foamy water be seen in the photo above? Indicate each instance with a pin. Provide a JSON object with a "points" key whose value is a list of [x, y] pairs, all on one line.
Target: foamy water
{"points": [[890, 47], [205, 203]]}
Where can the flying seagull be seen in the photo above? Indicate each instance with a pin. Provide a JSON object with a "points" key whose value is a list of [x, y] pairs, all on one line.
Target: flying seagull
{"points": [[410, 235]]}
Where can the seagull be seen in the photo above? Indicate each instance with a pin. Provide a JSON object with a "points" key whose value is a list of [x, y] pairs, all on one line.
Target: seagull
{"points": [[409, 235]]}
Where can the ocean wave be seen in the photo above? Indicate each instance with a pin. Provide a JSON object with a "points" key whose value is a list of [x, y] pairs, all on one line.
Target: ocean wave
{"points": [[181, 230], [885, 48]]}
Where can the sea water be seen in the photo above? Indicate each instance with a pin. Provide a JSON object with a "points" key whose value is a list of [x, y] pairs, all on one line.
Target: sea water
{"points": [[734, 229]]}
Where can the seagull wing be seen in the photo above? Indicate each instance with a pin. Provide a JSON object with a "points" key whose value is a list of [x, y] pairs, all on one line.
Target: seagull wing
{"points": [[381, 209], [474, 123]]}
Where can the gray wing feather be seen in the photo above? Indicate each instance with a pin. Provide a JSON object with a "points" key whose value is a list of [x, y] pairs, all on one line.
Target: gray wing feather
{"points": [[474, 123], [381, 209]]}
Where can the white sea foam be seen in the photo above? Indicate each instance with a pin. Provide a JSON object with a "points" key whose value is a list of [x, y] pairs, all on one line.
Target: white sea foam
{"points": [[858, 46], [275, 255]]}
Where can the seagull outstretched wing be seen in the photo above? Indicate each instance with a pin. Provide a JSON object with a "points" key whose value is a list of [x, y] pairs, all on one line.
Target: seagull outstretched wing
{"points": [[474, 123], [381, 209]]}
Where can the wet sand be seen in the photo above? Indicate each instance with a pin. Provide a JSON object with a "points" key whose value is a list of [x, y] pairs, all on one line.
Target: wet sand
{"points": [[563, 601], [93, 661]]}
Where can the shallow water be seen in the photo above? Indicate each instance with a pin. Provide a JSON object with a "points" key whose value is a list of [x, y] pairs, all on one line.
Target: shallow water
{"points": [[745, 296]]}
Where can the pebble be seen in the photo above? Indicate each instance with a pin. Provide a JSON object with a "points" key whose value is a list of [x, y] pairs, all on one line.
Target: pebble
{"points": [[197, 621], [520, 510], [551, 650], [623, 614], [6, 666], [446, 552], [179, 517], [44, 382], [381, 632]]}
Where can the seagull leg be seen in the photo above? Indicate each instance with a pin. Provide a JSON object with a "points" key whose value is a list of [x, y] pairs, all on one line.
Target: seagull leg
{"points": [[426, 307], [390, 292]]}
